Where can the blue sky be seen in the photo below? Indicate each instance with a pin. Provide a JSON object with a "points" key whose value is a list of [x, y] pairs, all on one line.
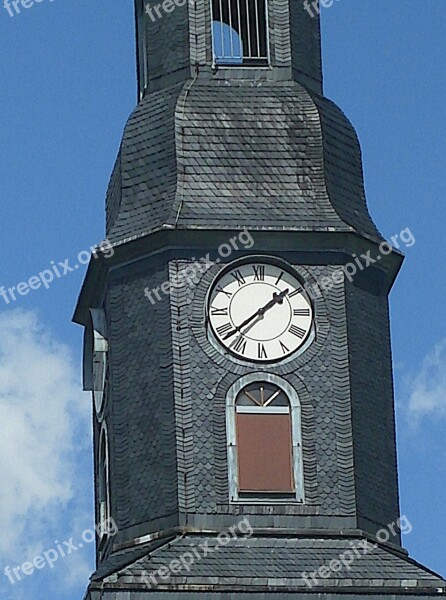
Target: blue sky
{"points": [[68, 85]]}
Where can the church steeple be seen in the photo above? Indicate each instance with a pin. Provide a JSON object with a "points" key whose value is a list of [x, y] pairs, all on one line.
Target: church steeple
{"points": [[177, 39], [241, 375]]}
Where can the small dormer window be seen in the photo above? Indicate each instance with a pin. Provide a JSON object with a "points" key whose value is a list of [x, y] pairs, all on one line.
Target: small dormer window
{"points": [[240, 32]]}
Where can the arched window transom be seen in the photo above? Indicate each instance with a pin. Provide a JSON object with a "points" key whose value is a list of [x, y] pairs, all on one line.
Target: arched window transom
{"points": [[264, 441]]}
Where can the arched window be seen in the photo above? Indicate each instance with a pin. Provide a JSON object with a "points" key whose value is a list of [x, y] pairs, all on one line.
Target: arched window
{"points": [[264, 441], [103, 483], [239, 32]]}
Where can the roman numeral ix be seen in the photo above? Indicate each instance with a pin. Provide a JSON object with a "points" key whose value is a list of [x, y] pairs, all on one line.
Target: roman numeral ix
{"points": [[219, 312]]}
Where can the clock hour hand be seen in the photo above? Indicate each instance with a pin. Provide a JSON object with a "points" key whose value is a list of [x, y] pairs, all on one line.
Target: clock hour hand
{"points": [[277, 299]]}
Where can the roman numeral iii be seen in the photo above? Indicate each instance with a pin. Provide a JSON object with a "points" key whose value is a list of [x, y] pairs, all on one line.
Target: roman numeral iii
{"points": [[301, 312]]}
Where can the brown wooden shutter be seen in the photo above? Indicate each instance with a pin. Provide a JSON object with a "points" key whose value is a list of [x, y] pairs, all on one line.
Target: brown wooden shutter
{"points": [[264, 452]]}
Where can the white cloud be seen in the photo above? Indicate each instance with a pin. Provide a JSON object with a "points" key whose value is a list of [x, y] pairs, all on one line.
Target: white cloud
{"points": [[45, 435], [427, 389]]}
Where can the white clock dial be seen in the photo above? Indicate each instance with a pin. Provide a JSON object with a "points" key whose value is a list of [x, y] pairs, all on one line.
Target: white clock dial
{"points": [[260, 312]]}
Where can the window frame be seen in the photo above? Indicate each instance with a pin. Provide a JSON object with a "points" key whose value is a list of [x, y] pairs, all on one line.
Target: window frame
{"points": [[296, 443], [95, 359], [141, 53], [258, 62], [104, 510]]}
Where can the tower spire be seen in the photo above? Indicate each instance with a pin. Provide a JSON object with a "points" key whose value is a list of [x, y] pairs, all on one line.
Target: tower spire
{"points": [[241, 374], [232, 39]]}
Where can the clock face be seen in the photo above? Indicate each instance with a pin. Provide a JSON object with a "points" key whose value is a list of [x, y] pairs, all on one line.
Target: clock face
{"points": [[99, 377], [260, 312]]}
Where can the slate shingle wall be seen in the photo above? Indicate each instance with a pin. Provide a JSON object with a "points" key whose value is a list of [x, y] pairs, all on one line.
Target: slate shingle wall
{"points": [[306, 46], [167, 44], [372, 408], [168, 456], [178, 41], [114, 195], [226, 150], [142, 418], [253, 155], [320, 377]]}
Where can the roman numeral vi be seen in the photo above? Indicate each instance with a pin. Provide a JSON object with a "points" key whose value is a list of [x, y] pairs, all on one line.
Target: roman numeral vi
{"points": [[262, 351]]}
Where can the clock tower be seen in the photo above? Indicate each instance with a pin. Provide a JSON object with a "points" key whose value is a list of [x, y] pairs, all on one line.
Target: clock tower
{"points": [[244, 433]]}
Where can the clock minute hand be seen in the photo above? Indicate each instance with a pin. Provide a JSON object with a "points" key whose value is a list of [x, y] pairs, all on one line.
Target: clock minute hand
{"points": [[246, 322], [277, 298]]}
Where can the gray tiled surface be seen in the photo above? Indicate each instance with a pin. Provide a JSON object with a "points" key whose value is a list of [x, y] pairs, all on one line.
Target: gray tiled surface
{"points": [[166, 414], [279, 562], [373, 416], [222, 154], [140, 415]]}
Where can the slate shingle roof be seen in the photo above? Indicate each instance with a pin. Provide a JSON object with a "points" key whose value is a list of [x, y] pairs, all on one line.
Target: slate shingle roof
{"points": [[219, 154], [279, 563]]}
